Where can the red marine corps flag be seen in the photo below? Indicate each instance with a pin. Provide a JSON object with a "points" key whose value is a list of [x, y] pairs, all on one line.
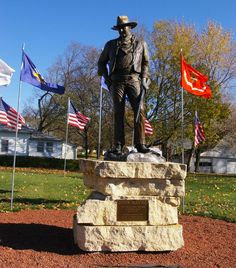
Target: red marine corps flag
{"points": [[193, 81]]}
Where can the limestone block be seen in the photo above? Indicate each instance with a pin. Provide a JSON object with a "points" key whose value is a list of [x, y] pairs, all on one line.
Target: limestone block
{"points": [[161, 213], [131, 170], [128, 238], [97, 212], [134, 178], [133, 187], [104, 212], [173, 201], [134, 207]]}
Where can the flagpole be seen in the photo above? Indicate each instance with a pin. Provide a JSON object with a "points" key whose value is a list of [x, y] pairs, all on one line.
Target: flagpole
{"points": [[100, 125], [65, 155], [182, 123], [182, 134], [16, 136], [182, 127], [182, 111]]}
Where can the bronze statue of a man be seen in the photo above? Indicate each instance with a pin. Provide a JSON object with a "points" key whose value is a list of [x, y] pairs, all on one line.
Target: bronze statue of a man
{"points": [[128, 61]]}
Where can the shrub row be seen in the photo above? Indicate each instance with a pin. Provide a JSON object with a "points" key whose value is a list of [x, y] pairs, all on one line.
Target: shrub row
{"points": [[39, 162]]}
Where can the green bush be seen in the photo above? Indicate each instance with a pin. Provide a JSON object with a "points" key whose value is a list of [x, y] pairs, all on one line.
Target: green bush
{"points": [[39, 162]]}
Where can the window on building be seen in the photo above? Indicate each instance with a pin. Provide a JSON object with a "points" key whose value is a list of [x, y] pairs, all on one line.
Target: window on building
{"points": [[49, 147], [40, 146], [4, 146], [205, 164]]}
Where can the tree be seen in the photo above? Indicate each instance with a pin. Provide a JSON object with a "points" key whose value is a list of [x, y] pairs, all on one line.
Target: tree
{"points": [[212, 52], [49, 117], [77, 69]]}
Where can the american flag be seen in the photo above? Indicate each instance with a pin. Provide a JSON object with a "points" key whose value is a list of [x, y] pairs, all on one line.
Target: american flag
{"points": [[75, 118], [148, 128], [8, 116], [199, 133]]}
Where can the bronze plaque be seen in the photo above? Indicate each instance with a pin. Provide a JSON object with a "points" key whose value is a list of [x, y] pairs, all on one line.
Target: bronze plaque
{"points": [[132, 210]]}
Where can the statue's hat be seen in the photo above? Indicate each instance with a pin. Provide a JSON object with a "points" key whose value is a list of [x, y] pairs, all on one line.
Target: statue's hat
{"points": [[123, 21]]}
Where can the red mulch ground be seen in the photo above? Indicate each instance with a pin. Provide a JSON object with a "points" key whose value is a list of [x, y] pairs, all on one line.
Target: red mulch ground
{"points": [[43, 238]]}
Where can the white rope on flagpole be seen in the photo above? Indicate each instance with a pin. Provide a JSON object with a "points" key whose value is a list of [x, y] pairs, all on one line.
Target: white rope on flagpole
{"points": [[100, 125], [67, 119], [16, 136]]}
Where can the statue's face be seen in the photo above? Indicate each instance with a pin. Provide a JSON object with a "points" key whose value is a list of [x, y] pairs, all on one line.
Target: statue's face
{"points": [[125, 31]]}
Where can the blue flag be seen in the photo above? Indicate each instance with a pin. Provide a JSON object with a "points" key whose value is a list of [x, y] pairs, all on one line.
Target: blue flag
{"points": [[103, 84], [30, 74]]}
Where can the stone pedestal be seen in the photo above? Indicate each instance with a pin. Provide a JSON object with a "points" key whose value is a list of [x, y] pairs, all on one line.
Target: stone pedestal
{"points": [[134, 206]]}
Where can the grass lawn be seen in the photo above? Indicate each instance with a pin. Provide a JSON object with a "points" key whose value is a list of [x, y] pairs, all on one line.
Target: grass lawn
{"points": [[206, 195], [35, 189], [211, 195]]}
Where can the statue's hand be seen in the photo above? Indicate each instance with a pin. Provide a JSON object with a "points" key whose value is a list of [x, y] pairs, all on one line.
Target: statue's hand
{"points": [[145, 83]]}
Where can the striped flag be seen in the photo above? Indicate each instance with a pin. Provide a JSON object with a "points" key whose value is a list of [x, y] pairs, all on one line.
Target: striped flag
{"points": [[148, 128], [75, 118], [199, 133], [8, 116]]}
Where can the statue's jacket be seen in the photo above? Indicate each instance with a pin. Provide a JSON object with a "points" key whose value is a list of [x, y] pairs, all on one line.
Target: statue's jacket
{"points": [[110, 52]]}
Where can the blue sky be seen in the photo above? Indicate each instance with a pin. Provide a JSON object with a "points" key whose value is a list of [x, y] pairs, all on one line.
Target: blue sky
{"points": [[47, 27]]}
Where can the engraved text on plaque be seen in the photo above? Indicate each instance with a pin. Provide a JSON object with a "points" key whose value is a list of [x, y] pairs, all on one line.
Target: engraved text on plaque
{"points": [[132, 210]]}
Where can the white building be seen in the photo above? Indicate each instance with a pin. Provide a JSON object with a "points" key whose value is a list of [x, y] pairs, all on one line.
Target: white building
{"points": [[221, 159], [33, 143]]}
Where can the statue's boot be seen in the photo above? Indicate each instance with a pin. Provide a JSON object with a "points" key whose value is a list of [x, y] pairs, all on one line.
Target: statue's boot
{"points": [[142, 148]]}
